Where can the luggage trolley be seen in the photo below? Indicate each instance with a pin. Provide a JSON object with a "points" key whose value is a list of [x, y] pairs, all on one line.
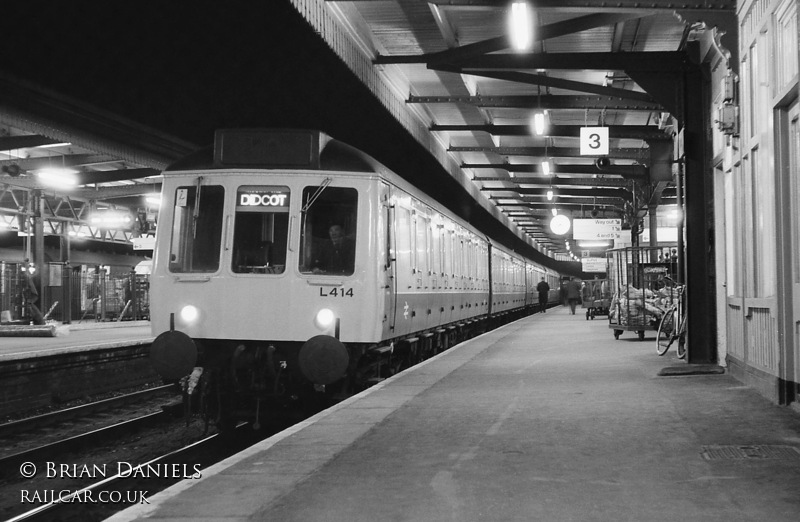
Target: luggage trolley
{"points": [[636, 277], [596, 297]]}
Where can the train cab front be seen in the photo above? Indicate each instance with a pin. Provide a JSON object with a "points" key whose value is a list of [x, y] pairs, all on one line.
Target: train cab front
{"points": [[256, 272]]}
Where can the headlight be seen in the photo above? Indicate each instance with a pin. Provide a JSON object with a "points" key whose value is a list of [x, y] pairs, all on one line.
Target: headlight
{"points": [[189, 314], [324, 319]]}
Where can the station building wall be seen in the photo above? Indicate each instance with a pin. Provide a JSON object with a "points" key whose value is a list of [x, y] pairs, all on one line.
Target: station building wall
{"points": [[757, 203]]}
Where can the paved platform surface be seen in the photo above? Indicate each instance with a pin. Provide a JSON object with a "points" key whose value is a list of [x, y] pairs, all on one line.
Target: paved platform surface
{"points": [[547, 419], [76, 338]]}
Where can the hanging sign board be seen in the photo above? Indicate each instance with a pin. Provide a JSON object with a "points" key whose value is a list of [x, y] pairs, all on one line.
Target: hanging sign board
{"points": [[144, 243], [594, 141], [593, 264], [596, 228]]}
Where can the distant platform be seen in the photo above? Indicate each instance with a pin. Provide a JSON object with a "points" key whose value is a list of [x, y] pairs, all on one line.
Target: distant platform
{"points": [[66, 338]]}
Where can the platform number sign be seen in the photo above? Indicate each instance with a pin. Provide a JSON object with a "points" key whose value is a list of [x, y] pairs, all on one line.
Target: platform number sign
{"points": [[594, 141]]}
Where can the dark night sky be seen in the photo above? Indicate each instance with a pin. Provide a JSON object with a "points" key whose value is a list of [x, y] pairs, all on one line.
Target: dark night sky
{"points": [[186, 67], [189, 67]]}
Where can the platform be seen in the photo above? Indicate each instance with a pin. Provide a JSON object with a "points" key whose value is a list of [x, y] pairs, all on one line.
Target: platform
{"points": [[546, 419], [77, 337]]}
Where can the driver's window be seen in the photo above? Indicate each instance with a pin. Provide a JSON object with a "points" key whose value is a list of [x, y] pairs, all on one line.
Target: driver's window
{"points": [[328, 230]]}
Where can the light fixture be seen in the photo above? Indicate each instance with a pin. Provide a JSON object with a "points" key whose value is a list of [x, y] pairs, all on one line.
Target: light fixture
{"points": [[594, 244], [549, 194], [560, 224], [554, 211], [155, 199], [546, 167], [58, 177], [538, 123], [111, 219], [520, 26]]}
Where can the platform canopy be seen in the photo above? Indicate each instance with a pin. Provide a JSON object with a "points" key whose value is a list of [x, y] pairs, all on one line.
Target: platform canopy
{"points": [[449, 72]]}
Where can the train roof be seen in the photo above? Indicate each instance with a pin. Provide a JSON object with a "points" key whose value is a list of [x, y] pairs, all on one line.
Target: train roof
{"points": [[296, 149]]}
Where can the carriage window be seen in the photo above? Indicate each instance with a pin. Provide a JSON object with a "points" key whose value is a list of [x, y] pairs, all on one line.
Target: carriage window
{"points": [[328, 230], [260, 230], [196, 229]]}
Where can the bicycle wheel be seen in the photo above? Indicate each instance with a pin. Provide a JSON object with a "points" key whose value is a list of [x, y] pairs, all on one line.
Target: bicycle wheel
{"points": [[665, 332], [681, 348]]}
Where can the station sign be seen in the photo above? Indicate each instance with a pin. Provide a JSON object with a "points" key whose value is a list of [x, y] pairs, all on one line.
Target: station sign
{"points": [[593, 264], [596, 229], [262, 199], [594, 141], [144, 243]]}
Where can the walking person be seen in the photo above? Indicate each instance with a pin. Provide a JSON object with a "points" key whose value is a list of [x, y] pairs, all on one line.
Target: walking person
{"points": [[573, 291], [544, 291]]}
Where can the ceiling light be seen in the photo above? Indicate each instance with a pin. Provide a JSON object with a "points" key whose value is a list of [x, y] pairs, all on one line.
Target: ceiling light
{"points": [[550, 195], [155, 199], [594, 244], [554, 211], [538, 123], [546, 167], [58, 178], [112, 219], [520, 26]]}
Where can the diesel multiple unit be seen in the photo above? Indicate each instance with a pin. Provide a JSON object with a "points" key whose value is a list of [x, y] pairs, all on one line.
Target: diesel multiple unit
{"points": [[289, 265]]}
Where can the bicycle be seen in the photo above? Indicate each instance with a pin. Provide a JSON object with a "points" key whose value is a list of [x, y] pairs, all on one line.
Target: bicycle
{"points": [[673, 325]]}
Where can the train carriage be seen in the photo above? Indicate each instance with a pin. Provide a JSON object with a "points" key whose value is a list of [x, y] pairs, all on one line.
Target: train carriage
{"points": [[288, 262]]}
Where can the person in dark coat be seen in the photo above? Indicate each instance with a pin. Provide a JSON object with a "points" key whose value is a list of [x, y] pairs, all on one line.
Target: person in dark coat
{"points": [[544, 291], [338, 255], [573, 291]]}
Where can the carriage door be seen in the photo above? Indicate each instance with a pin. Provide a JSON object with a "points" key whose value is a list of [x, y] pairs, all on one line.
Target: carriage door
{"points": [[389, 234]]}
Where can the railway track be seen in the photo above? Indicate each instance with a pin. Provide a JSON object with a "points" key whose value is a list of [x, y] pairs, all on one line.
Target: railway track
{"points": [[30, 424], [136, 483], [10, 464], [74, 428]]}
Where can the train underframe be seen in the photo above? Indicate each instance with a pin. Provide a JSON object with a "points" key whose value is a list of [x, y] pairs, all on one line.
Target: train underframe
{"points": [[262, 382]]}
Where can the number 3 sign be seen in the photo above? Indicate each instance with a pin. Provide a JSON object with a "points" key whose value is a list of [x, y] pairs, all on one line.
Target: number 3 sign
{"points": [[594, 141]]}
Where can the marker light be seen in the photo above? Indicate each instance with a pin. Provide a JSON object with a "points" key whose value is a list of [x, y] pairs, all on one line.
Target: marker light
{"points": [[189, 313], [324, 319]]}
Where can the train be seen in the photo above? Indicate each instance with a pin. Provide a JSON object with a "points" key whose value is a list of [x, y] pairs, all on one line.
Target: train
{"points": [[291, 269]]}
